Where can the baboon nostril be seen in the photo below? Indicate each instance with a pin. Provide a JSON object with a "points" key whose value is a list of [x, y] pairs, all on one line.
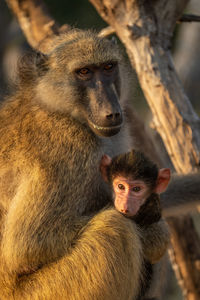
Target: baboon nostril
{"points": [[125, 211], [113, 116], [109, 117]]}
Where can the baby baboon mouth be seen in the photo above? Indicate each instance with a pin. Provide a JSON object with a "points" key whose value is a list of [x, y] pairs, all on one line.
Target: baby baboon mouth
{"points": [[105, 131]]}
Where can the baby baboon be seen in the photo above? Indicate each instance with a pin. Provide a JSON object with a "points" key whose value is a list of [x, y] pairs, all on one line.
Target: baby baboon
{"points": [[136, 183]]}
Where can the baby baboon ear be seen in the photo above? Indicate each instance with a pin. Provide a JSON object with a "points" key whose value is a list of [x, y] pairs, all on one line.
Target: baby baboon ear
{"points": [[41, 63], [164, 176]]}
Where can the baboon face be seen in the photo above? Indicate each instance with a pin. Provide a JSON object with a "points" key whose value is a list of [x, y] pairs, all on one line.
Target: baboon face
{"points": [[83, 80]]}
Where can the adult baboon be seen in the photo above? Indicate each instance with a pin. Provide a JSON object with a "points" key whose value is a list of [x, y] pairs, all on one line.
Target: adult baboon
{"points": [[59, 238]]}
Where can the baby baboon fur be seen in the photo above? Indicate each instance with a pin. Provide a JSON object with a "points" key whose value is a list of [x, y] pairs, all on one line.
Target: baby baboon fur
{"points": [[137, 182], [59, 237]]}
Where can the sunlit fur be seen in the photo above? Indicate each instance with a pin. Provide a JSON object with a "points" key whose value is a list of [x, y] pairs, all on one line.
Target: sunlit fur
{"points": [[56, 241]]}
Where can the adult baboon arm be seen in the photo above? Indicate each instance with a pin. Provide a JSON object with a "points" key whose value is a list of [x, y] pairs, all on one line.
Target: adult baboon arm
{"points": [[182, 195], [103, 263]]}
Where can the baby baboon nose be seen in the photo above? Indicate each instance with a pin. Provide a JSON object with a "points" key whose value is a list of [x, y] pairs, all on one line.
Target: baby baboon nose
{"points": [[124, 211]]}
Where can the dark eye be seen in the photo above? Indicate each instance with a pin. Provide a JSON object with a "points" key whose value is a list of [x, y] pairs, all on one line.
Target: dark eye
{"points": [[108, 67], [83, 71], [136, 189], [121, 186]]}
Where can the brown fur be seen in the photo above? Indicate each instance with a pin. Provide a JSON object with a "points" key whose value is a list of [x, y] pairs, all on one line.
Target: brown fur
{"points": [[58, 239]]}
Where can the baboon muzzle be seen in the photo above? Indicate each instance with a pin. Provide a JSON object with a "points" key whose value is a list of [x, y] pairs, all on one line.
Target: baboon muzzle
{"points": [[106, 115]]}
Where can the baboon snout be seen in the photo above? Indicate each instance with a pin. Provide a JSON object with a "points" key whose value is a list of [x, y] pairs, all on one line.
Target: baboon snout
{"points": [[106, 122], [106, 114], [112, 119], [110, 116]]}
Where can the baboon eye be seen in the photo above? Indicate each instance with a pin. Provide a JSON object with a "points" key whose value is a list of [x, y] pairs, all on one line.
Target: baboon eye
{"points": [[108, 67], [83, 71], [136, 189], [121, 186]]}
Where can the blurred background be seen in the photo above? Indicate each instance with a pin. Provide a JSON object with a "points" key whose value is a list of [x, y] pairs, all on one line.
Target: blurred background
{"points": [[80, 13]]}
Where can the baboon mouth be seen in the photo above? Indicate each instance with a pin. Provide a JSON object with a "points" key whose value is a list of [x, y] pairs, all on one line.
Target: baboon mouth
{"points": [[105, 131]]}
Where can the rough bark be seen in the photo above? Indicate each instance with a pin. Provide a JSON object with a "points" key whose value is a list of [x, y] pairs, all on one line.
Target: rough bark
{"points": [[189, 261]]}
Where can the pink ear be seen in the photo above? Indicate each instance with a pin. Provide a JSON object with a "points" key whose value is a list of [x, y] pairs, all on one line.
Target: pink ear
{"points": [[164, 176], [105, 162]]}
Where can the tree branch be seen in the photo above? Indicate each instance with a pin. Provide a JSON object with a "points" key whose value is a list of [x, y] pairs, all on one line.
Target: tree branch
{"points": [[36, 22], [189, 18]]}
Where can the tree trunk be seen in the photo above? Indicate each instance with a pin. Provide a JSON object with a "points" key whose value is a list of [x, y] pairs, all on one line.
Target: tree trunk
{"points": [[145, 28]]}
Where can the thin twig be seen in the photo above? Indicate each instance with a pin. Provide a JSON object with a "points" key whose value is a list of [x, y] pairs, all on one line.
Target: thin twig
{"points": [[189, 18]]}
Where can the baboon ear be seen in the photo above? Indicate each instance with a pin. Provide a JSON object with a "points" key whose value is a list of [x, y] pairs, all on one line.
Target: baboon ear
{"points": [[41, 63], [105, 162], [164, 176]]}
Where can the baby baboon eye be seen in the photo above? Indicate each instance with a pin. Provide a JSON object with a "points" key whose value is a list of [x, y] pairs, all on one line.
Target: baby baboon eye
{"points": [[136, 189], [121, 186]]}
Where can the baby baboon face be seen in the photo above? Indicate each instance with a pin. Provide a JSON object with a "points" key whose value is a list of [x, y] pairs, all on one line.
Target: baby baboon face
{"points": [[133, 178]]}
